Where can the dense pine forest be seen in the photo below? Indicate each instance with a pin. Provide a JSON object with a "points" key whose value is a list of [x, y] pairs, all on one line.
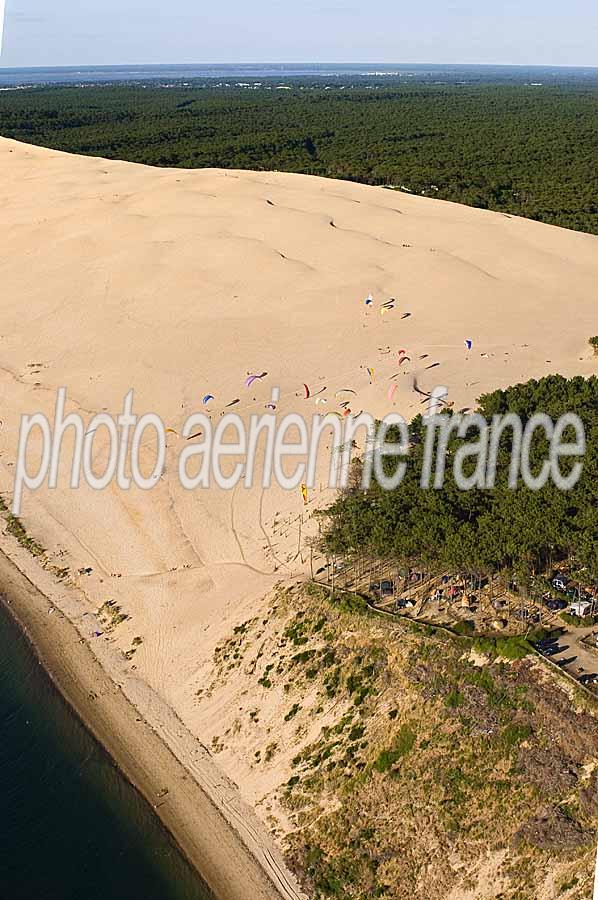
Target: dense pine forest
{"points": [[523, 149], [485, 530]]}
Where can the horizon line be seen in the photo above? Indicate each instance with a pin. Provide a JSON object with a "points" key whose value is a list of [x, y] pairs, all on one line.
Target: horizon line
{"points": [[306, 62]]}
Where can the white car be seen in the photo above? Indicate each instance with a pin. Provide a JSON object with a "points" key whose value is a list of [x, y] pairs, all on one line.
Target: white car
{"points": [[560, 583]]}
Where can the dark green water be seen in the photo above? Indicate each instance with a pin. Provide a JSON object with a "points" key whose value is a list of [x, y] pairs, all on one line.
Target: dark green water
{"points": [[70, 825]]}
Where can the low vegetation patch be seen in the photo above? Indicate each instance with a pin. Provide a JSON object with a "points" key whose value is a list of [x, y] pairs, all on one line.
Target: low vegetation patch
{"points": [[422, 752]]}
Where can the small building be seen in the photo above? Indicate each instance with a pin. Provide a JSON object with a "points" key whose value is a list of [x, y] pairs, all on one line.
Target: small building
{"points": [[581, 609]]}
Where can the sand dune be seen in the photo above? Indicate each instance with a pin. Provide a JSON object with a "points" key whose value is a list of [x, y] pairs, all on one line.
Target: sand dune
{"points": [[177, 283]]}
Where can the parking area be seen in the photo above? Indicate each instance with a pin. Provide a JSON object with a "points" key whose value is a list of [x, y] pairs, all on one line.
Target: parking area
{"points": [[481, 605], [575, 651]]}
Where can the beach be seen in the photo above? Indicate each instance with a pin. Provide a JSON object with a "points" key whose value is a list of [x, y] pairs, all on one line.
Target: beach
{"points": [[180, 284], [190, 802]]}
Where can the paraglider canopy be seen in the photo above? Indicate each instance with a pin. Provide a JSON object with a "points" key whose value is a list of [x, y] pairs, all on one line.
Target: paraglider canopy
{"points": [[249, 381], [369, 300], [207, 398], [468, 343]]}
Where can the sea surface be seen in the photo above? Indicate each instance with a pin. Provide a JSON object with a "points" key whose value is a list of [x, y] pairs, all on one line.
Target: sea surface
{"points": [[282, 72], [71, 827]]}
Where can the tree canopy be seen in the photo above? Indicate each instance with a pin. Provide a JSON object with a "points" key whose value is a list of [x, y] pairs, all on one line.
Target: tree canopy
{"points": [[508, 147], [484, 530]]}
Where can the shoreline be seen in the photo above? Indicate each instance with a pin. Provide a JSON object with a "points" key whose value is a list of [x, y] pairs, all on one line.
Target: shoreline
{"points": [[199, 827]]}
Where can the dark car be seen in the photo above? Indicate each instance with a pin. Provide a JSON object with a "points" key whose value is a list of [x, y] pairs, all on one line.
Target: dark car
{"points": [[544, 645], [546, 641], [553, 650], [387, 588], [555, 604], [588, 679], [403, 603]]}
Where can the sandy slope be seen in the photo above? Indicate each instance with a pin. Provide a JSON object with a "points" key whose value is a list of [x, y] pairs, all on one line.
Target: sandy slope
{"points": [[138, 731], [177, 283]]}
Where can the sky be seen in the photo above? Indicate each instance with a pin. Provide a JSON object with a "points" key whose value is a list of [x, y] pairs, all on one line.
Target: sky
{"points": [[112, 32]]}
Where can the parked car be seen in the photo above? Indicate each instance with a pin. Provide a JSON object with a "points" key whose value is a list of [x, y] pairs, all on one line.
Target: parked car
{"points": [[403, 603], [546, 643], [565, 662], [387, 588], [555, 604], [589, 679], [560, 582]]}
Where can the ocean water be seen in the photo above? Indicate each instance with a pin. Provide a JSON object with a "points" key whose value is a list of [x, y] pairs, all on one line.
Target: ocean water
{"points": [[71, 828], [449, 74]]}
